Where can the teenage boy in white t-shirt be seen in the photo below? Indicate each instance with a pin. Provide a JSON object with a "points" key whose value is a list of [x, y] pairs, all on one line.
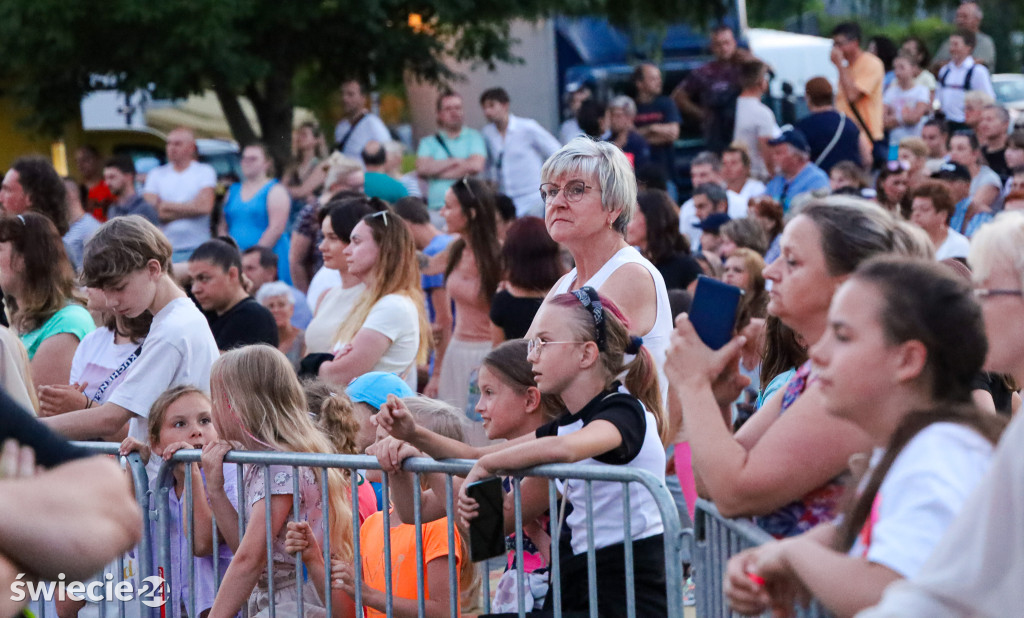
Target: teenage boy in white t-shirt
{"points": [[129, 260]]}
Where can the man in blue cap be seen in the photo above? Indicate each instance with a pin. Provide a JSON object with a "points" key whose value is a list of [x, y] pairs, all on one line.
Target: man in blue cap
{"points": [[795, 174], [711, 235]]}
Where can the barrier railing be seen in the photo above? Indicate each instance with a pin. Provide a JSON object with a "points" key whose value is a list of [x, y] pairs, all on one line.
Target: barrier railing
{"points": [[715, 540], [116, 573], [588, 475]]}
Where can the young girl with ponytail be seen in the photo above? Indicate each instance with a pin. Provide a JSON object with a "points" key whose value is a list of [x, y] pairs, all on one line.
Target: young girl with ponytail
{"points": [[577, 347]]}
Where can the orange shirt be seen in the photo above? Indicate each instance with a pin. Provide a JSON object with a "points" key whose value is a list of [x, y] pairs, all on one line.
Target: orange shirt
{"points": [[403, 555], [867, 73]]}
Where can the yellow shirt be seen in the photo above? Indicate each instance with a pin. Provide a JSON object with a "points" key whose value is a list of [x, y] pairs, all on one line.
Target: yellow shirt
{"points": [[867, 73]]}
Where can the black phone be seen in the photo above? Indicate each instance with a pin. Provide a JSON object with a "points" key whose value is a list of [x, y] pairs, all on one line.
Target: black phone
{"points": [[487, 529], [713, 311]]}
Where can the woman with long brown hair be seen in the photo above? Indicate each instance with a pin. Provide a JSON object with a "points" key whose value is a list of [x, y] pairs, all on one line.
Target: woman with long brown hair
{"points": [[471, 278], [43, 306]]}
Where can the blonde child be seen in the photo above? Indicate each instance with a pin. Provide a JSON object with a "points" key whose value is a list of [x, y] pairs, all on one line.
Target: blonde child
{"points": [[258, 402], [181, 418]]}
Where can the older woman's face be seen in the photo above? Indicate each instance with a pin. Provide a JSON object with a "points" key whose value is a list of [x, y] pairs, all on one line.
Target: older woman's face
{"points": [[281, 308], [573, 219], [802, 287], [1003, 315]]}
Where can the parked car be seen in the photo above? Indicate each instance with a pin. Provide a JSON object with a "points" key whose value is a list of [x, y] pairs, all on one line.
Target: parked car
{"points": [[1009, 89]]}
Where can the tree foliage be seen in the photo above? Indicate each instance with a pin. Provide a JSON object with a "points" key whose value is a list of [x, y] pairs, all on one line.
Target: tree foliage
{"points": [[53, 48]]}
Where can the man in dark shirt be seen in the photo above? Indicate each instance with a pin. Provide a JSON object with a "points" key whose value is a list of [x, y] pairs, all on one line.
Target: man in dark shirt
{"points": [[831, 135], [657, 119], [993, 131], [236, 319], [708, 94]]}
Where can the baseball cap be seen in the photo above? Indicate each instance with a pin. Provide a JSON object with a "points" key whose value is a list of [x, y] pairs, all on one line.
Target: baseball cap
{"points": [[374, 387], [952, 171], [713, 222], [793, 137]]}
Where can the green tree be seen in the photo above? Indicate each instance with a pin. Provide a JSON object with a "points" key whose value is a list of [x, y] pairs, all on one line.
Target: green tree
{"points": [[257, 48]]}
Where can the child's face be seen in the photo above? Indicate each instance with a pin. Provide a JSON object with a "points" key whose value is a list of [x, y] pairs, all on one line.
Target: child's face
{"points": [[556, 360], [367, 432], [133, 293], [188, 419], [502, 408]]}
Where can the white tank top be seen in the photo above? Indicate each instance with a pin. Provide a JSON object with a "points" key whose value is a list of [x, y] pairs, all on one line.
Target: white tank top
{"points": [[657, 339]]}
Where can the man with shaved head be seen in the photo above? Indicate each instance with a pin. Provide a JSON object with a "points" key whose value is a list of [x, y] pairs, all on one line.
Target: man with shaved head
{"points": [[182, 192]]}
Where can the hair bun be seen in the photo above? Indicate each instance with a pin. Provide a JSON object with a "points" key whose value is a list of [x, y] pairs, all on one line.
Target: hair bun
{"points": [[634, 345]]}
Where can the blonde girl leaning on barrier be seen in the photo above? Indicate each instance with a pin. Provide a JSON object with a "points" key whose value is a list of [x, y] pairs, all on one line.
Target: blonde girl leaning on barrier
{"points": [[903, 343], [259, 403]]}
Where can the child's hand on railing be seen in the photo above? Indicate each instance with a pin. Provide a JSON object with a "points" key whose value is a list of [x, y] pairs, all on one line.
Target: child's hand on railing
{"points": [[212, 462], [391, 452], [299, 539], [131, 445]]}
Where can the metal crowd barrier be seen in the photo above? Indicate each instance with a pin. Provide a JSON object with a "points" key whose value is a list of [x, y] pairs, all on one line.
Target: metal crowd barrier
{"points": [[673, 534], [143, 552], [715, 540]]}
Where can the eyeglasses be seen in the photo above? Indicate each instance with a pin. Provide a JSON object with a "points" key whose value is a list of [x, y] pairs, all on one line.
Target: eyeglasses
{"points": [[896, 166], [983, 293], [537, 345], [573, 190]]}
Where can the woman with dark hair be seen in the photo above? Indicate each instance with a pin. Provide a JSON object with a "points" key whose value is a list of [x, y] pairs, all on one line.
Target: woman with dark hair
{"points": [[904, 341], [885, 49], [335, 304], [917, 50], [891, 188], [654, 231], [471, 278], [769, 214], [533, 263], [39, 290]]}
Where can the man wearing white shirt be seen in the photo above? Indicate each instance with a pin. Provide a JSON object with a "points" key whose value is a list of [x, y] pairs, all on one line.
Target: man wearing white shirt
{"points": [[706, 168], [182, 192], [931, 210], [736, 173], [960, 75], [359, 125], [518, 148]]}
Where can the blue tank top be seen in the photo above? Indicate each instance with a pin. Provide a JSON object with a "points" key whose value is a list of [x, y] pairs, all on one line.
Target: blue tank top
{"points": [[247, 220]]}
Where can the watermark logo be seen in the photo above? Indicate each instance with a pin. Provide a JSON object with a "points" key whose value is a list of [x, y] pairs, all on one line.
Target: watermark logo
{"points": [[150, 591]]}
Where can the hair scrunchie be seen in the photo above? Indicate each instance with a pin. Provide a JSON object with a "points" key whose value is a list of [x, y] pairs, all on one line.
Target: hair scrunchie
{"points": [[634, 345]]}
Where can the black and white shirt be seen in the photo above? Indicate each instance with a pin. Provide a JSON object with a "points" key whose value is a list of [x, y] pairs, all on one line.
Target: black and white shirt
{"points": [[641, 448]]}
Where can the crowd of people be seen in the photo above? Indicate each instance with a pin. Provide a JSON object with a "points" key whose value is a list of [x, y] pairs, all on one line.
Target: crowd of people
{"points": [[519, 301]]}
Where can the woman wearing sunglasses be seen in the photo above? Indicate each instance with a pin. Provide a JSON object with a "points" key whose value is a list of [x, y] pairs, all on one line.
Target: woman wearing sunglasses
{"points": [[387, 329]]}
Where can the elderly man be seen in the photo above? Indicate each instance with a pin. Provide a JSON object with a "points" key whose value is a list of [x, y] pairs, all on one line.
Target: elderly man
{"points": [[621, 114], [182, 192], [796, 174], [968, 17]]}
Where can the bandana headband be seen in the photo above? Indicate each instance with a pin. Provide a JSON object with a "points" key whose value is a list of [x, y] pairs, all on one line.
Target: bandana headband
{"points": [[592, 302]]}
